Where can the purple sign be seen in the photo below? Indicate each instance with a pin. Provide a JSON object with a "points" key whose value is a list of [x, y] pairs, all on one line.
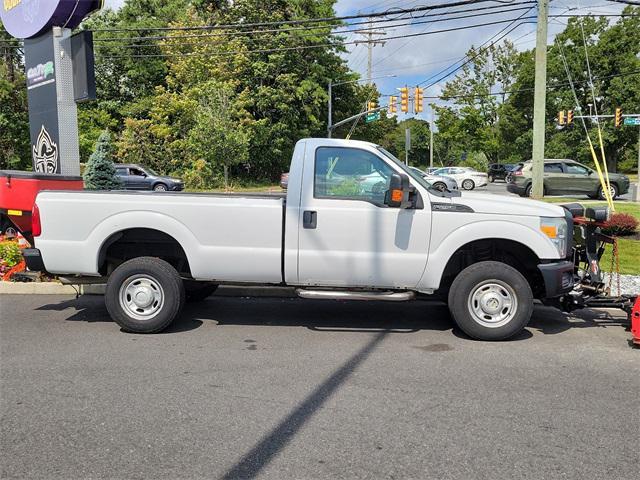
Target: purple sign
{"points": [[29, 18]]}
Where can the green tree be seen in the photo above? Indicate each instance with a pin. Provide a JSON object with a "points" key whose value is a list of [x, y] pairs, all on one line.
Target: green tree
{"points": [[15, 149], [100, 173], [216, 138]]}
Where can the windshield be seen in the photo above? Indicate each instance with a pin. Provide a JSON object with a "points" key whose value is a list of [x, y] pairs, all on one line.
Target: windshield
{"points": [[410, 171], [148, 170]]}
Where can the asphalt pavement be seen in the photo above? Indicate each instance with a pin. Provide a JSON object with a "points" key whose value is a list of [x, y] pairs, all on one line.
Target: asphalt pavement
{"points": [[298, 389]]}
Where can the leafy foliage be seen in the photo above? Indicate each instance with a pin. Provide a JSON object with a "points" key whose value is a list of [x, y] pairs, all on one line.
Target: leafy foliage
{"points": [[10, 254], [621, 224], [100, 173]]}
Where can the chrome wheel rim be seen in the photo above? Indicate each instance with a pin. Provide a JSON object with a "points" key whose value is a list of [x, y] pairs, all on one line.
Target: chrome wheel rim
{"points": [[493, 303], [467, 184], [160, 188], [141, 297]]}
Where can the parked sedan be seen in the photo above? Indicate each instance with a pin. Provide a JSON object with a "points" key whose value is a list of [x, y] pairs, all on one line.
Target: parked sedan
{"points": [[467, 178], [440, 183], [136, 177], [567, 177]]}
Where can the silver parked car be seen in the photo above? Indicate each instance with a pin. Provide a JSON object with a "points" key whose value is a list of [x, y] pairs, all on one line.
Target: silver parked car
{"points": [[438, 182]]}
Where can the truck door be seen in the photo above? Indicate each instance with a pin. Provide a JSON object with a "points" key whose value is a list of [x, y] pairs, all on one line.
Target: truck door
{"points": [[347, 235]]}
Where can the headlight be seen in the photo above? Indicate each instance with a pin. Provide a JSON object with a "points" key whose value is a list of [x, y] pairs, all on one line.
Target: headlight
{"points": [[556, 230]]}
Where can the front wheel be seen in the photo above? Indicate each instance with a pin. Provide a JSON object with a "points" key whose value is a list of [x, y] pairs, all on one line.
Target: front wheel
{"points": [[490, 301], [439, 186], [144, 295], [613, 191], [160, 187], [468, 184]]}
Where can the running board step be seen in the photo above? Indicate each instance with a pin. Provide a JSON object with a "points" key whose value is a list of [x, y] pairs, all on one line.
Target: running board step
{"points": [[351, 295]]}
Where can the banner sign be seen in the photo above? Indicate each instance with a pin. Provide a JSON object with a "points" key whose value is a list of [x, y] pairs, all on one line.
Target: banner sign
{"points": [[28, 18]]}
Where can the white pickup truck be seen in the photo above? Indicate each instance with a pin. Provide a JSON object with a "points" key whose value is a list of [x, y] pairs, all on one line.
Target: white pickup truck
{"points": [[355, 223]]}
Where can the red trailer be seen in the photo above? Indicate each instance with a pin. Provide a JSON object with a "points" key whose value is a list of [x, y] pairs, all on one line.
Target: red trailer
{"points": [[18, 192]]}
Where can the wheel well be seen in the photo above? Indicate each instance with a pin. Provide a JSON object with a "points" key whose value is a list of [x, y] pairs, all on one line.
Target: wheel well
{"points": [[141, 242], [515, 254]]}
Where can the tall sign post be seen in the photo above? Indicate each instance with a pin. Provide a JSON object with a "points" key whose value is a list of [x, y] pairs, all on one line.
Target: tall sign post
{"points": [[45, 26]]}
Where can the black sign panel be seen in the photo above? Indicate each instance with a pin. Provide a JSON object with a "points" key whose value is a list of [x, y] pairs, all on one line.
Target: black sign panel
{"points": [[43, 107]]}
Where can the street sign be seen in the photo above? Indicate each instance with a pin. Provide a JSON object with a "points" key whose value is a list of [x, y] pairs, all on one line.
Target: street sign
{"points": [[371, 117], [632, 121]]}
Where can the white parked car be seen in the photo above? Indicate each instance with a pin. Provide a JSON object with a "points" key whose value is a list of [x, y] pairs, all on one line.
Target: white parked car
{"points": [[355, 223], [438, 182], [467, 178]]}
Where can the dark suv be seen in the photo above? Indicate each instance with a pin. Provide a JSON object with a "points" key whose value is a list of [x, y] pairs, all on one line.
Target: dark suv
{"points": [[499, 171], [135, 177], [566, 177]]}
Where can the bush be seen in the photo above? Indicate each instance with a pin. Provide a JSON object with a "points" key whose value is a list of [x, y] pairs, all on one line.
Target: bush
{"points": [[10, 255], [620, 224]]}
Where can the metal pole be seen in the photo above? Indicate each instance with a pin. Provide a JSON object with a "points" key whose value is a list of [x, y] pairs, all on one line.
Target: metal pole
{"points": [[431, 139], [539, 101], [407, 145], [330, 114]]}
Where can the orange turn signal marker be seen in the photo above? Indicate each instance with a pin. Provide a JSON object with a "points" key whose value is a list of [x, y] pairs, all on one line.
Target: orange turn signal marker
{"points": [[549, 230], [396, 195]]}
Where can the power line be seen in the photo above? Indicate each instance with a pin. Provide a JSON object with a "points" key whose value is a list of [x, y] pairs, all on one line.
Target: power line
{"points": [[321, 45], [389, 12]]}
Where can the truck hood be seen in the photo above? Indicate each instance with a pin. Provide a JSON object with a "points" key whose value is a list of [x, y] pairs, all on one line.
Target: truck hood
{"points": [[496, 204]]}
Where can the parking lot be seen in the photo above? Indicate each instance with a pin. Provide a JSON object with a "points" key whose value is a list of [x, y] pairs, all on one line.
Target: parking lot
{"points": [[499, 187], [285, 388]]}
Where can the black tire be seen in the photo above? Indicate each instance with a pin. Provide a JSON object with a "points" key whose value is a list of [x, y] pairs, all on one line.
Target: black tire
{"points": [[614, 192], [529, 189], [472, 286], [198, 291], [491, 178], [439, 186], [156, 273], [160, 187], [468, 184]]}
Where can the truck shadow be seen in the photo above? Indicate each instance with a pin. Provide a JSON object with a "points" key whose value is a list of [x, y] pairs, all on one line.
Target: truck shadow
{"points": [[333, 316]]}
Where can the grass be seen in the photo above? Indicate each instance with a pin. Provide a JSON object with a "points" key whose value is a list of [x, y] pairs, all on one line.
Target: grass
{"points": [[629, 251]]}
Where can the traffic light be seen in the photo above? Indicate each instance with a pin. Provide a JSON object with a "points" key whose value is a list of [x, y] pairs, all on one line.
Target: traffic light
{"points": [[618, 117], [561, 117], [393, 108], [371, 106], [404, 99], [569, 117], [418, 99]]}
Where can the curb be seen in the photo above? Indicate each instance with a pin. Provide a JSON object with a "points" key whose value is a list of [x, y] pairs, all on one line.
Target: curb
{"points": [[55, 288]]}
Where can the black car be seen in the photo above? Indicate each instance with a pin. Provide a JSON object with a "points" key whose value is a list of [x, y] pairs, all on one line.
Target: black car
{"points": [[499, 171], [136, 177]]}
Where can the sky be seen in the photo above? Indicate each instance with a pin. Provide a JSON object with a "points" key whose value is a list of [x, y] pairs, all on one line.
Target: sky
{"points": [[414, 60]]}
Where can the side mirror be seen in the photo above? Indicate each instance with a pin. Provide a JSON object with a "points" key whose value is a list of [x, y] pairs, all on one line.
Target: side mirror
{"points": [[398, 194]]}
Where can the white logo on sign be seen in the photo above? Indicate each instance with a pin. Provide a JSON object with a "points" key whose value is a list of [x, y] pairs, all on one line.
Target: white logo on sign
{"points": [[45, 153], [30, 10]]}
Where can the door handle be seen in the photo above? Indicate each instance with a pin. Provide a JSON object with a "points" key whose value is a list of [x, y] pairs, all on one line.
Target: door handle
{"points": [[309, 219]]}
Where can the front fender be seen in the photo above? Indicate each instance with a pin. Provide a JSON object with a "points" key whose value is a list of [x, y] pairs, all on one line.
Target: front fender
{"points": [[443, 248]]}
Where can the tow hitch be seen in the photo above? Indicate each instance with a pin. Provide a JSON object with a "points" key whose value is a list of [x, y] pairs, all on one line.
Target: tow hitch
{"points": [[590, 290]]}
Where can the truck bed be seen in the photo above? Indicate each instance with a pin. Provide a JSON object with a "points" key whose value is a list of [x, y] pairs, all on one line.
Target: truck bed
{"points": [[228, 237]]}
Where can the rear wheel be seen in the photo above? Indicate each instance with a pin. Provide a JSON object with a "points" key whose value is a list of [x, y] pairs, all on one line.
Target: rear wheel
{"points": [[441, 187], [144, 295], [613, 191], [468, 184], [529, 190], [490, 301]]}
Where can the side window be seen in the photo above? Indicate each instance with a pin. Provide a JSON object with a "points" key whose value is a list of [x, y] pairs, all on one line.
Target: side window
{"points": [[576, 169], [350, 173], [136, 172], [121, 171], [552, 168]]}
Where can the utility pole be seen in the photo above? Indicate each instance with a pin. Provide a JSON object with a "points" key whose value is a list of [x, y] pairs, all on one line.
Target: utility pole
{"points": [[637, 199], [330, 112], [431, 139], [407, 145], [539, 101], [370, 41]]}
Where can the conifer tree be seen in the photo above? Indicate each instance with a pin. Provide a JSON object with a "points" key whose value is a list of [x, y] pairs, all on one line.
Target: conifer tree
{"points": [[100, 173]]}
